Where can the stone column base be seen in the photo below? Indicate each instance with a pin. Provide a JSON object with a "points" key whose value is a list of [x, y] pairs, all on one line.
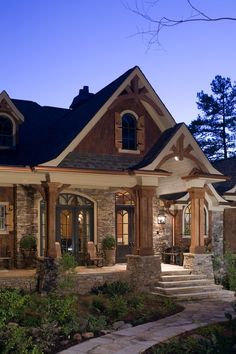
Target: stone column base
{"points": [[46, 274], [199, 263], [144, 271]]}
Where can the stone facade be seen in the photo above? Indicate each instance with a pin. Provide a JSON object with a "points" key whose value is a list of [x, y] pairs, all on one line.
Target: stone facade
{"points": [[144, 272], [162, 234], [85, 282], [217, 232], [26, 216], [199, 263], [105, 208]]}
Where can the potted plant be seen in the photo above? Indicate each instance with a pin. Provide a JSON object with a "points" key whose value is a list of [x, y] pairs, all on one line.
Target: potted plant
{"points": [[28, 248], [109, 249]]}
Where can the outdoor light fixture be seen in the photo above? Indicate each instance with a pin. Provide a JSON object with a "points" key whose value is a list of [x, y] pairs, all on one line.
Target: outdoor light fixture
{"points": [[161, 218], [176, 158]]}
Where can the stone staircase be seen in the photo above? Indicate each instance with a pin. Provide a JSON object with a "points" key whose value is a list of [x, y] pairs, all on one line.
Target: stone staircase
{"points": [[182, 285]]}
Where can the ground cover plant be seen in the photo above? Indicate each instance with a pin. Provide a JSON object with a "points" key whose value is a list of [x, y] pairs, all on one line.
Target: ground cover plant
{"points": [[32, 323]]}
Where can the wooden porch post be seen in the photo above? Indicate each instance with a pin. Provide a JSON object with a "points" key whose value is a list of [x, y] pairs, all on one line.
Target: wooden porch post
{"points": [[144, 220], [51, 192], [197, 219]]}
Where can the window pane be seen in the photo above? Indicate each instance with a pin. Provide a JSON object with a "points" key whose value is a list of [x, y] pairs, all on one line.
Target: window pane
{"points": [[2, 217], [129, 135], [6, 131]]}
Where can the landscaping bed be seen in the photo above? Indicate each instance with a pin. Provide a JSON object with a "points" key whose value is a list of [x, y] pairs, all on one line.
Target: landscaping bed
{"points": [[35, 324]]}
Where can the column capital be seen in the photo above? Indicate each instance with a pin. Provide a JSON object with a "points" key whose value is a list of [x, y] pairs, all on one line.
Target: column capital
{"points": [[196, 192], [145, 191]]}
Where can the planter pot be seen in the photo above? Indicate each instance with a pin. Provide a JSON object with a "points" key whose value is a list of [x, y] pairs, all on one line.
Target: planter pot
{"points": [[110, 257], [29, 257]]}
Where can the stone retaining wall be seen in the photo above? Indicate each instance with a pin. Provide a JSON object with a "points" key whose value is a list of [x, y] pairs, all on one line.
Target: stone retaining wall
{"points": [[86, 282], [25, 283]]}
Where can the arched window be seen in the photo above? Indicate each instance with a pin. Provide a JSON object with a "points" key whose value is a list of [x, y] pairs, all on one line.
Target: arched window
{"points": [[6, 132], [187, 221], [129, 132]]}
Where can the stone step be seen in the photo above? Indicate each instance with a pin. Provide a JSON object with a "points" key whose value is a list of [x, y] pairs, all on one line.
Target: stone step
{"points": [[175, 278], [184, 283], [177, 272], [220, 295], [187, 290]]}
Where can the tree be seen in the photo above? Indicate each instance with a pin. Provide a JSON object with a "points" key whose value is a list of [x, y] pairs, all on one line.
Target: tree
{"points": [[159, 23], [215, 126]]}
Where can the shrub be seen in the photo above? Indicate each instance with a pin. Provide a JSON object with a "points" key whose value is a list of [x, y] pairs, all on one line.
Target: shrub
{"points": [[111, 289], [108, 243], [67, 262], [117, 307], [96, 323], [15, 339], [99, 303], [28, 242], [230, 261]]}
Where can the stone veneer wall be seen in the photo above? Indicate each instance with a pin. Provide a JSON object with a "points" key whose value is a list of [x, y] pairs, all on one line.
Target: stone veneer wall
{"points": [[144, 272], [162, 234], [199, 264], [217, 232], [105, 203], [26, 216], [84, 282]]}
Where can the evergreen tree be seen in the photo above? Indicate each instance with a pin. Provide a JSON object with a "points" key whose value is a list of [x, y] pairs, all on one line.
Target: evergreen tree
{"points": [[214, 127]]}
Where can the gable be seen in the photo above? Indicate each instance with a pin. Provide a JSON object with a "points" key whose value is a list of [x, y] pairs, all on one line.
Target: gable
{"points": [[131, 85], [7, 106], [181, 148]]}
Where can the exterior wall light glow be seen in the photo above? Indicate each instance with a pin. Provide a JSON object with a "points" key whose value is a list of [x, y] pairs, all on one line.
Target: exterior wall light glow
{"points": [[176, 158], [161, 218]]}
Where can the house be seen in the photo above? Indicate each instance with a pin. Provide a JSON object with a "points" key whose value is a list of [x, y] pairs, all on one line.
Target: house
{"points": [[114, 162]]}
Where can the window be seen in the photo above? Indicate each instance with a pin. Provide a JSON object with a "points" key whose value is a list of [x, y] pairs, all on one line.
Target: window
{"points": [[3, 226], [129, 134], [187, 221], [6, 132]]}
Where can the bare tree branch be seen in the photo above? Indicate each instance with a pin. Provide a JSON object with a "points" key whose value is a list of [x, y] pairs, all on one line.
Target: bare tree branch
{"points": [[165, 22]]}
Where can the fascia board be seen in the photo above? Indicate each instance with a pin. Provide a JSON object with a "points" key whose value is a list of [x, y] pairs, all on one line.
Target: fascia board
{"points": [[197, 151]]}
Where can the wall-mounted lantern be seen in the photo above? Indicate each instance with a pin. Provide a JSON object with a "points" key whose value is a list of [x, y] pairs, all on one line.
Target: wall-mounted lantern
{"points": [[161, 217]]}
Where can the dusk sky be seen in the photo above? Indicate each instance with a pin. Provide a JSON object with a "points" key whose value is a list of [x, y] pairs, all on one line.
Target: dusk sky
{"points": [[52, 48]]}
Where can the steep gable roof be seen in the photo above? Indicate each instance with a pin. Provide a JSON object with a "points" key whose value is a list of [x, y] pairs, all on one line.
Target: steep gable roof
{"points": [[47, 131], [228, 168], [157, 147]]}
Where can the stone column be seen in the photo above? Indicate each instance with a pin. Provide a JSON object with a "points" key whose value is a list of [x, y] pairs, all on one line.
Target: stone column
{"points": [[197, 219], [51, 192], [144, 220]]}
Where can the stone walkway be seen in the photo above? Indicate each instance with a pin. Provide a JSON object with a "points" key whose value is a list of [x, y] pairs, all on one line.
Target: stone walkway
{"points": [[136, 339]]}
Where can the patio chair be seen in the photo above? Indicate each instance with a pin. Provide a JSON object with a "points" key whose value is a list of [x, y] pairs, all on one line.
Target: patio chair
{"points": [[95, 257], [173, 255], [5, 257]]}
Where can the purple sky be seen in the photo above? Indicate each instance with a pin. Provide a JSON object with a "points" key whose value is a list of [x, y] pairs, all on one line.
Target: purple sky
{"points": [[51, 48]]}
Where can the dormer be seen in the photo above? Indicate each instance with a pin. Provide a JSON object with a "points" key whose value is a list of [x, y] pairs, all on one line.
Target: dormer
{"points": [[10, 119]]}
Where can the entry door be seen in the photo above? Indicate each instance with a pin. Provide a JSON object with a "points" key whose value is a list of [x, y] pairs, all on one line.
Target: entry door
{"points": [[74, 228], [124, 232], [66, 229]]}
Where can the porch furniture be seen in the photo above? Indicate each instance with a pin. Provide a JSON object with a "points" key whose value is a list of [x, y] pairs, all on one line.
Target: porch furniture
{"points": [[173, 255], [5, 257], [95, 257]]}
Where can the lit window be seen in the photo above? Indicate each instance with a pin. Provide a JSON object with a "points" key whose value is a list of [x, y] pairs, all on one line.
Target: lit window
{"points": [[6, 132], [187, 221], [129, 132], [3, 225]]}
